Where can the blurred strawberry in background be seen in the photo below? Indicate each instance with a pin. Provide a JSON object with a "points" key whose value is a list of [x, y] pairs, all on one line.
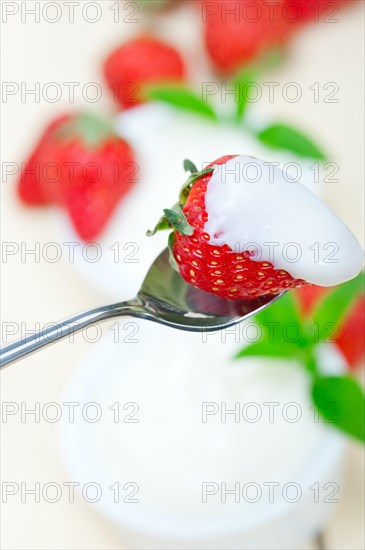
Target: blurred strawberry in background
{"points": [[30, 188], [82, 165], [142, 61], [312, 11], [239, 31], [350, 336], [236, 32]]}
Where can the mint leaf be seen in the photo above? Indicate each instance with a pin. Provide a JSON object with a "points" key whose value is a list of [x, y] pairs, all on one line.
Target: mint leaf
{"points": [[283, 312], [280, 136], [190, 166], [177, 220], [341, 401], [250, 74], [183, 98], [335, 305], [283, 333]]}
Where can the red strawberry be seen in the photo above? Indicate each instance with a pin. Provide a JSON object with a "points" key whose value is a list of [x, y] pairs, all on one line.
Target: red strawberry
{"points": [[144, 60], [350, 337], [29, 186], [236, 32], [83, 166], [312, 11], [216, 269]]}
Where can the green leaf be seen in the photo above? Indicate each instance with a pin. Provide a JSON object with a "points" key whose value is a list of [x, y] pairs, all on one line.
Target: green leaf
{"points": [[283, 311], [177, 220], [341, 401], [190, 166], [283, 332], [250, 74], [280, 136], [335, 305], [183, 98]]}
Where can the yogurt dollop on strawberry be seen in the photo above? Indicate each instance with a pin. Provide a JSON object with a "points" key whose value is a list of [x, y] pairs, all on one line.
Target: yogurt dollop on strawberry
{"points": [[253, 205]]}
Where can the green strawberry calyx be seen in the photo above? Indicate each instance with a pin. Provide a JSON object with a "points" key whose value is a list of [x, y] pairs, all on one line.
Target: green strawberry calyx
{"points": [[174, 218], [91, 129]]}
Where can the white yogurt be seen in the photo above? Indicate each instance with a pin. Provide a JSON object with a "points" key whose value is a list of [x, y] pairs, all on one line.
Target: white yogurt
{"points": [[172, 434], [254, 205]]}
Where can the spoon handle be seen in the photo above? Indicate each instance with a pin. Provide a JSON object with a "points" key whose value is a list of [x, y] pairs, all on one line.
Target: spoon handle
{"points": [[19, 349]]}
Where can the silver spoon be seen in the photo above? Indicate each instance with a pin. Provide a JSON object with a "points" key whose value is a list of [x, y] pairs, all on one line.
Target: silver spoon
{"points": [[164, 298]]}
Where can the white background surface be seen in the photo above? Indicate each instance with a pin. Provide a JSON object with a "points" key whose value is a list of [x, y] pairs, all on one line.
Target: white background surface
{"points": [[43, 292]]}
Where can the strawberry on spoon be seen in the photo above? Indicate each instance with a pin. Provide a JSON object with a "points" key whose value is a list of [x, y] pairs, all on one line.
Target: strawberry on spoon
{"points": [[242, 229]]}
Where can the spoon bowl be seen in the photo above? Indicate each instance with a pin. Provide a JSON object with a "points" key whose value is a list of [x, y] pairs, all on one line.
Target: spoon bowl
{"points": [[164, 298], [175, 303]]}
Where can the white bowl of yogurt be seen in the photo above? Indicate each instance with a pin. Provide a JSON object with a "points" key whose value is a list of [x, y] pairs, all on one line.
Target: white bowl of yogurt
{"points": [[190, 450]]}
